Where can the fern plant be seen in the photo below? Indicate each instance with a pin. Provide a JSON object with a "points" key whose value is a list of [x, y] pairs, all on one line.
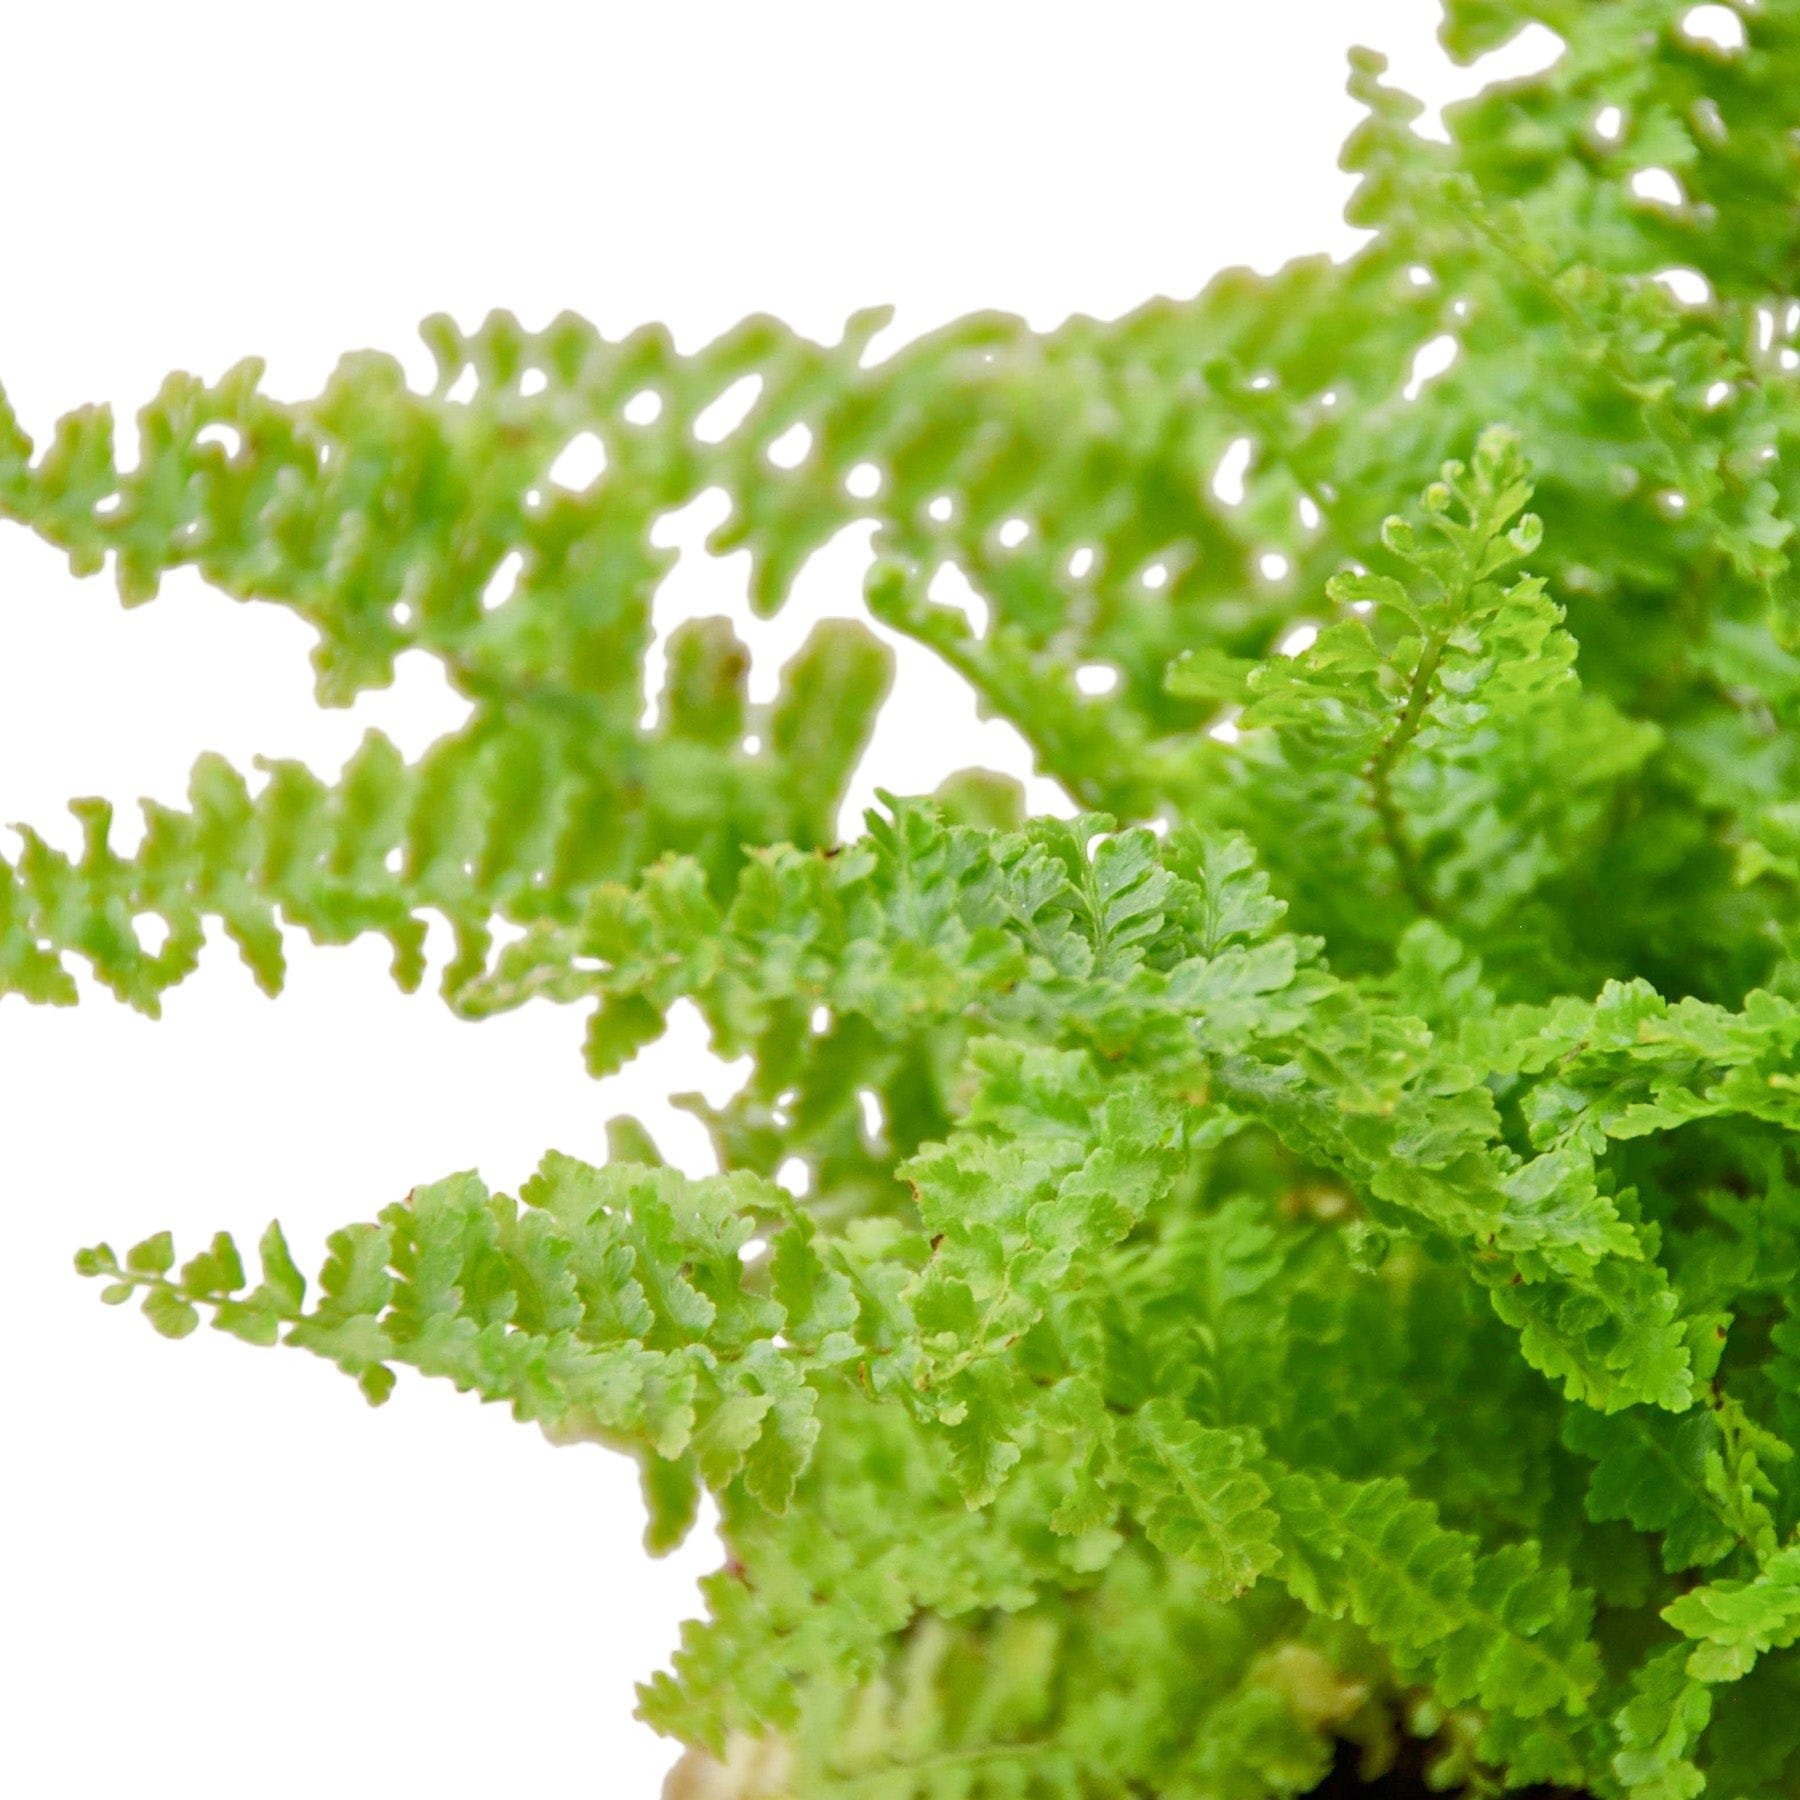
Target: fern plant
{"points": [[1301, 1253]]}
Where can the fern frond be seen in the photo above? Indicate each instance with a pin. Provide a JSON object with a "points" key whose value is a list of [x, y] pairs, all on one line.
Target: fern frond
{"points": [[518, 816]]}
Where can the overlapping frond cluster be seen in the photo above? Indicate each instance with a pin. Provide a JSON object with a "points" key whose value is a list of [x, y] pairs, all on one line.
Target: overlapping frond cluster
{"points": [[1301, 1253]]}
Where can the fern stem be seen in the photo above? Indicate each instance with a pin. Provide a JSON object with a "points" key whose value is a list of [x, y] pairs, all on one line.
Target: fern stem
{"points": [[1378, 773]]}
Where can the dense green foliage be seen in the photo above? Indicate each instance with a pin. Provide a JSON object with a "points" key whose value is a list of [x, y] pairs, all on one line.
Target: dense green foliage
{"points": [[1305, 1250]]}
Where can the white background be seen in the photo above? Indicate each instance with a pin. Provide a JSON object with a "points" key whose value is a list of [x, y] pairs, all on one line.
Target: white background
{"points": [[221, 1571]]}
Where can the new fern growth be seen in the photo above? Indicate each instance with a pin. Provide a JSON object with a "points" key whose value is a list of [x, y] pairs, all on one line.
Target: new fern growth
{"points": [[1303, 1252]]}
